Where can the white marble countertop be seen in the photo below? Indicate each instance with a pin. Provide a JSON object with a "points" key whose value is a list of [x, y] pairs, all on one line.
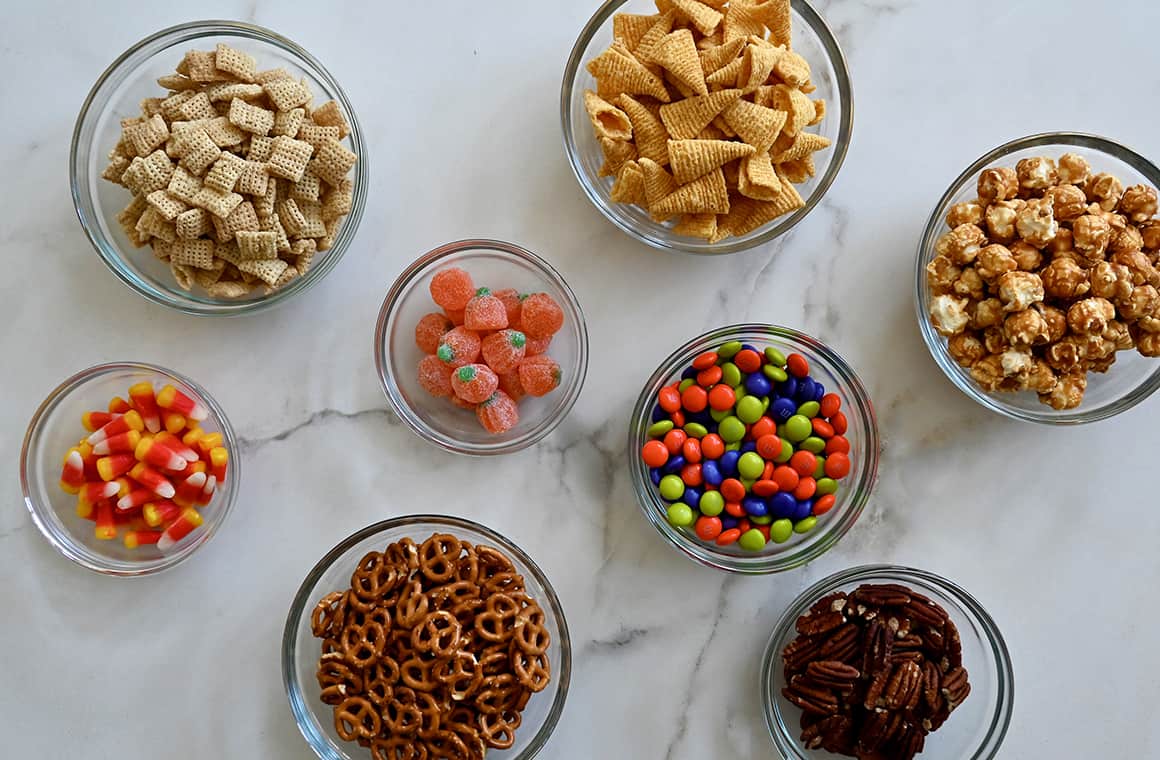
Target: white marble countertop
{"points": [[1053, 530]]}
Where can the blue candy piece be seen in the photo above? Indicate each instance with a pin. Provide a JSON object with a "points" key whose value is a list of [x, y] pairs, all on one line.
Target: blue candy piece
{"points": [[710, 472], [782, 409], [674, 465], [805, 390], [745, 346], [729, 522], [728, 463], [788, 389], [802, 509], [758, 384], [754, 506], [702, 417], [692, 497], [654, 474], [819, 391], [748, 446], [690, 372], [783, 505], [659, 414]]}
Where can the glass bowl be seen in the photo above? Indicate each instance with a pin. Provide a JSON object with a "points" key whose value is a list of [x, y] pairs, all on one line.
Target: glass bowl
{"points": [[117, 94], [498, 265], [837, 376], [300, 650], [812, 38], [1133, 377], [56, 426], [974, 731]]}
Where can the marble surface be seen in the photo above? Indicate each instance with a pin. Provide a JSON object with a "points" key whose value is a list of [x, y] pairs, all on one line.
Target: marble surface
{"points": [[1053, 530]]}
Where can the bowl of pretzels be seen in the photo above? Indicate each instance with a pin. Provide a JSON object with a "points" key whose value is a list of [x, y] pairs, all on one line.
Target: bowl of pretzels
{"points": [[426, 637]]}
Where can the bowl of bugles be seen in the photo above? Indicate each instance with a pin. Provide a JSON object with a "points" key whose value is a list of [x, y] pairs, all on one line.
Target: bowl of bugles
{"points": [[218, 168], [426, 637], [1037, 279], [706, 127]]}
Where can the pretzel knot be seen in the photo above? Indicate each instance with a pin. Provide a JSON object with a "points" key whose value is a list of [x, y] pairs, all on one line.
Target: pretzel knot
{"points": [[447, 744], [534, 671], [499, 730], [326, 615], [363, 645], [497, 623], [460, 673], [439, 556], [381, 680], [397, 748], [357, 718], [531, 634], [412, 606], [403, 553], [438, 634], [375, 577], [416, 674]]}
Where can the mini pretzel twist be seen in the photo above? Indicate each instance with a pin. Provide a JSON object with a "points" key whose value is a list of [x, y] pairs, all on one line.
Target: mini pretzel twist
{"points": [[357, 718], [499, 730], [438, 634], [438, 557]]}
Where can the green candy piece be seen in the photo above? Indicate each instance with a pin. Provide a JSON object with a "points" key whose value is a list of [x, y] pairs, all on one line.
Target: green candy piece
{"points": [[780, 531], [712, 502], [739, 393], [820, 470], [786, 452], [729, 350], [680, 515], [806, 525], [734, 446], [719, 414], [781, 430], [731, 429], [798, 428], [776, 374], [750, 465], [658, 429], [672, 487], [730, 375], [827, 486], [687, 383], [812, 444], [763, 520], [765, 404], [749, 409], [752, 540], [775, 356], [810, 409], [748, 484], [697, 430]]}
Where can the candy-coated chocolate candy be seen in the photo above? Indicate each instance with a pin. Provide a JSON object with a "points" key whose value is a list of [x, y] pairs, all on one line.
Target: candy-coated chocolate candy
{"points": [[747, 360], [782, 409], [730, 374], [813, 444], [830, 404], [694, 398], [708, 527], [659, 429], [749, 409], [837, 466], [711, 471], [755, 506], [696, 430], [768, 446], [824, 504], [729, 462], [732, 489], [654, 475], [712, 503], [654, 453], [838, 422], [838, 445], [691, 474], [752, 540], [798, 428], [672, 488], [788, 388], [705, 360], [679, 515], [691, 450], [758, 385], [803, 463], [786, 478], [707, 378], [797, 365], [806, 488], [712, 446], [822, 429], [782, 504], [764, 426], [731, 429], [780, 531], [728, 537], [750, 465], [452, 288], [674, 440], [669, 399]]}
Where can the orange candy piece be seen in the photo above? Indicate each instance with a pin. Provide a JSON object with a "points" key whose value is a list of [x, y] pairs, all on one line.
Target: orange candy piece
{"points": [[503, 351], [512, 304], [435, 376], [474, 383], [509, 383], [654, 454], [539, 375], [537, 346], [430, 331], [498, 414], [458, 347], [485, 312], [452, 288], [541, 316]]}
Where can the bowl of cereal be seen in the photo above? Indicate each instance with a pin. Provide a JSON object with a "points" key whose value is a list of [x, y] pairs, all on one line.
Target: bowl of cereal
{"points": [[217, 168], [481, 347], [709, 131], [129, 468], [430, 633], [1036, 279], [753, 448], [887, 661]]}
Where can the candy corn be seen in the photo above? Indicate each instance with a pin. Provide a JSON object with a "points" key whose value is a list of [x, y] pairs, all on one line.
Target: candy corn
{"points": [[122, 423], [218, 460], [174, 423], [114, 465], [152, 452], [153, 480], [189, 490], [208, 442], [94, 421], [106, 528], [186, 523], [138, 497], [72, 474], [172, 442], [174, 400], [135, 538], [159, 513], [119, 406], [207, 491], [117, 444], [145, 402]]}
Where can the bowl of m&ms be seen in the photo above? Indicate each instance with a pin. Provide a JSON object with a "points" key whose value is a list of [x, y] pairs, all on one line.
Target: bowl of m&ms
{"points": [[129, 468], [753, 448], [481, 347]]}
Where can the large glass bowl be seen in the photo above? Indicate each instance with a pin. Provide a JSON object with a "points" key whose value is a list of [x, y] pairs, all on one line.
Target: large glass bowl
{"points": [[1133, 377], [117, 94], [56, 426], [837, 376], [974, 731], [812, 39], [300, 650], [497, 265]]}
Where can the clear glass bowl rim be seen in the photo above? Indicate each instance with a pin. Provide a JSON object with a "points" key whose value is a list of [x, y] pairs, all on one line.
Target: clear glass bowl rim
{"points": [[841, 145], [62, 542], [785, 737], [302, 601], [856, 402], [935, 343], [87, 211], [387, 378]]}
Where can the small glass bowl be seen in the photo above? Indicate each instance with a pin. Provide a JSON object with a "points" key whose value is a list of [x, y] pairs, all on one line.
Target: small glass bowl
{"points": [[56, 426], [300, 650], [974, 731], [498, 265], [812, 39], [1133, 377], [117, 94], [837, 376]]}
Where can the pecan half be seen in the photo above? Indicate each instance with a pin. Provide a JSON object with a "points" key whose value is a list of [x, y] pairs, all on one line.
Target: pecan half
{"points": [[905, 687], [833, 674], [879, 645], [955, 687], [817, 623], [881, 595], [842, 643]]}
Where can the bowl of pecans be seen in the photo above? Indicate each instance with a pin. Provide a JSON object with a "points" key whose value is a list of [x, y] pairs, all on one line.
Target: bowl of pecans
{"points": [[887, 661], [426, 636], [1037, 279], [218, 168], [706, 128]]}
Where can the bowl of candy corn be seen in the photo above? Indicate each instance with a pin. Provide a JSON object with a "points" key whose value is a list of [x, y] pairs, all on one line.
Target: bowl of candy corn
{"points": [[753, 448], [127, 468], [481, 347]]}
